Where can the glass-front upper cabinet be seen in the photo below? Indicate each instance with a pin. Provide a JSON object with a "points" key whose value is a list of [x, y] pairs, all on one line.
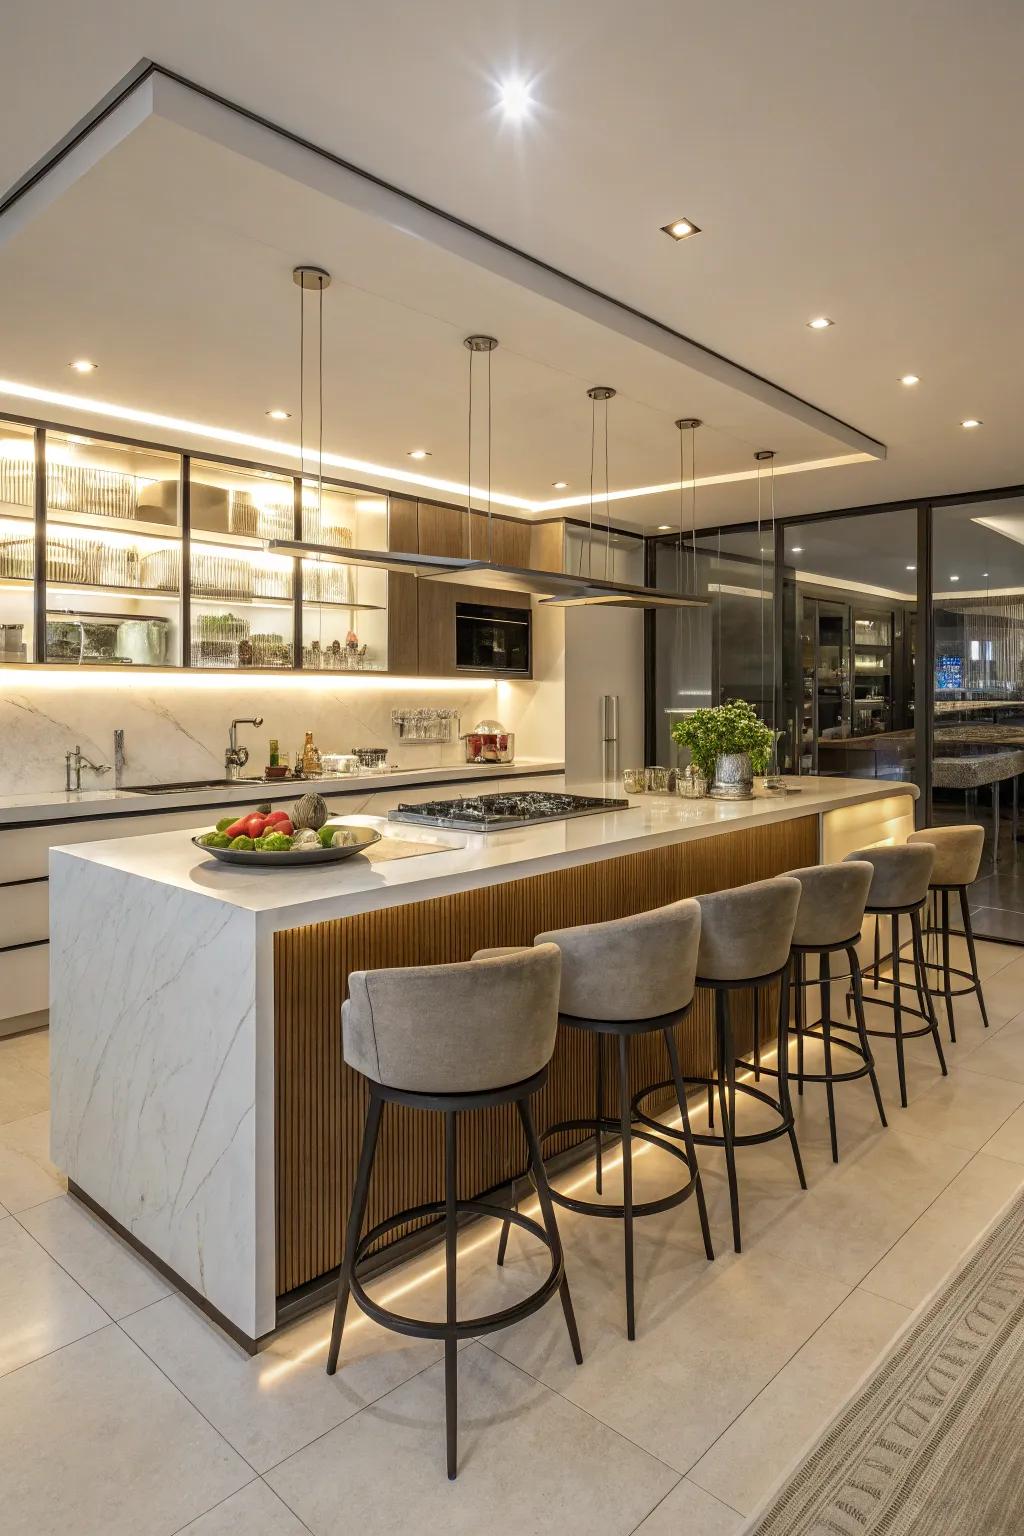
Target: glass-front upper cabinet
{"points": [[240, 594], [833, 671], [344, 607], [17, 542], [113, 553], [873, 672]]}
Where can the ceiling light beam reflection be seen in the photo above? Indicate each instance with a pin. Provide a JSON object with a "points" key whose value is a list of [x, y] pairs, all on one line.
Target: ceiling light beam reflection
{"points": [[732, 477]]}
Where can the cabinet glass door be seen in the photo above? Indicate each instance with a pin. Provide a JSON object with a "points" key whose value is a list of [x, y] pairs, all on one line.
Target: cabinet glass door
{"points": [[344, 607], [17, 542]]}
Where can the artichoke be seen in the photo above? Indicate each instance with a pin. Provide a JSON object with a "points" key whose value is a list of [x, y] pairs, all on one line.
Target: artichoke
{"points": [[310, 811]]}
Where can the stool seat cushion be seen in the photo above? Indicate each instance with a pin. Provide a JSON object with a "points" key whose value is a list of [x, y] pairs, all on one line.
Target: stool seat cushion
{"points": [[746, 932], [460, 1028], [831, 903], [957, 852], [901, 874], [631, 968]]}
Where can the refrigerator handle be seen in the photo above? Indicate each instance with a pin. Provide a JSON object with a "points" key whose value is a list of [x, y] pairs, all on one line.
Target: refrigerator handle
{"points": [[610, 735]]}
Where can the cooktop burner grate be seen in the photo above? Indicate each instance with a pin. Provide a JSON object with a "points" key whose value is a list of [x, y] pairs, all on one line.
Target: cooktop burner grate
{"points": [[492, 813]]}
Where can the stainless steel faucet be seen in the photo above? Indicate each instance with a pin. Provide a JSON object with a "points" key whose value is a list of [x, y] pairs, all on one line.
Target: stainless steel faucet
{"points": [[119, 759], [75, 762], [236, 757]]}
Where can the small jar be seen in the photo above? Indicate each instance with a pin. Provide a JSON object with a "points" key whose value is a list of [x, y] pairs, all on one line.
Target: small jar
{"points": [[634, 780]]}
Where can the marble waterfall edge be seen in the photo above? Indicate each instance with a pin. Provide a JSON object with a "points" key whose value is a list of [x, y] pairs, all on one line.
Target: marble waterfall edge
{"points": [[154, 1108]]}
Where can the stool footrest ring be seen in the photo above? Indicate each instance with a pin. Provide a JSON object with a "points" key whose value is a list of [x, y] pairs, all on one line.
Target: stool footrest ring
{"points": [[640, 1207], [708, 1138]]}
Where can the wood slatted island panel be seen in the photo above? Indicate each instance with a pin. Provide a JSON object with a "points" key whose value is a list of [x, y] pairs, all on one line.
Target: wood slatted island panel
{"points": [[200, 1104]]}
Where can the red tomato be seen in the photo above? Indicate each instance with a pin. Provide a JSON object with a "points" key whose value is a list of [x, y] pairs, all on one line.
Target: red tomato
{"points": [[276, 816], [254, 825], [284, 826], [237, 828]]}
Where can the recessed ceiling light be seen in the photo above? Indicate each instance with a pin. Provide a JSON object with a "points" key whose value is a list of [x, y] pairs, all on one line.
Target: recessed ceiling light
{"points": [[797, 549], [954, 578], [664, 527], [279, 415], [560, 485], [419, 453], [514, 98], [972, 421], [909, 378], [911, 567], [820, 323], [83, 365], [681, 229]]}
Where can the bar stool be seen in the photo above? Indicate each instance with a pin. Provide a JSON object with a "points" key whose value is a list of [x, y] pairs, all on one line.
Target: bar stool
{"points": [[745, 939], [828, 922], [899, 888], [623, 979], [958, 852], [426, 1037]]}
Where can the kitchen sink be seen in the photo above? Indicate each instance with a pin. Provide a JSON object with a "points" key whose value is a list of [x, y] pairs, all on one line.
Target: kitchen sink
{"points": [[175, 789]]}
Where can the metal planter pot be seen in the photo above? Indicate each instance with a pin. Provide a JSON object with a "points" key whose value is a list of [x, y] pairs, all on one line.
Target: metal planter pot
{"points": [[734, 777]]}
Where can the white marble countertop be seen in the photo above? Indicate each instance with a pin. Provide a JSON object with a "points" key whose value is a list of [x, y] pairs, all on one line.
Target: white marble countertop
{"points": [[60, 805], [291, 896]]}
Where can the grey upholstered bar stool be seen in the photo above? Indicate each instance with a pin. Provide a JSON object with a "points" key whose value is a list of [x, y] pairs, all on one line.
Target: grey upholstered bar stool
{"points": [[899, 888], [828, 922], [622, 979], [958, 853], [745, 939], [451, 1038]]}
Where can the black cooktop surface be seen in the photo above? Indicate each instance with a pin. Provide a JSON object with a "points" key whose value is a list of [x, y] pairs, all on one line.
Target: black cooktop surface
{"points": [[490, 813]]}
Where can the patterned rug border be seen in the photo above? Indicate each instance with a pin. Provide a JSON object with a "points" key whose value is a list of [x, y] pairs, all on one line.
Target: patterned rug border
{"points": [[812, 1464]]}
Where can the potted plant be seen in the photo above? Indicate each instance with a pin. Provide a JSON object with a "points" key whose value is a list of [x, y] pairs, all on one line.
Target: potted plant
{"points": [[728, 745]]}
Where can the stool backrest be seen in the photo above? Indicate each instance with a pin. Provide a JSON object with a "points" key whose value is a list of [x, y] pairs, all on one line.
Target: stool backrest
{"points": [[638, 967], [832, 901], [901, 874], [459, 1028], [746, 932], [958, 852]]}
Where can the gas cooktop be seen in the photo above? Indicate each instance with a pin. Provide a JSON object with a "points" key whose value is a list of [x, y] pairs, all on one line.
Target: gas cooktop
{"points": [[493, 813]]}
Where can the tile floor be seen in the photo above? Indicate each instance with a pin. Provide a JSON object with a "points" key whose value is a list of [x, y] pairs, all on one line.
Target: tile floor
{"points": [[123, 1411]]}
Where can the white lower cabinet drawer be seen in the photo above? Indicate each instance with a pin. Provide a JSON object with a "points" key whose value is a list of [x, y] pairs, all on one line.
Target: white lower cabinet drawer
{"points": [[24, 913]]}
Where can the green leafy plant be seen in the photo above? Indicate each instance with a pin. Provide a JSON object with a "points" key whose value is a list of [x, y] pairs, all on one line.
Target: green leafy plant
{"points": [[731, 727]]}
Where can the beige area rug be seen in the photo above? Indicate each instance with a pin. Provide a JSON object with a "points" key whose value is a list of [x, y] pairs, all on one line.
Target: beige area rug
{"points": [[932, 1444]]}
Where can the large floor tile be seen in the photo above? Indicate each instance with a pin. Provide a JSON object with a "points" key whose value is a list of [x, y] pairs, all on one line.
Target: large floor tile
{"points": [[963, 1110], [254, 1511], [98, 1442], [845, 1225], [1001, 1054], [1008, 1141], [24, 1088], [93, 1255], [694, 1365], [270, 1405], [528, 1462], [27, 1177], [690, 1511], [41, 1307], [30, 1050], [744, 1465], [934, 1245]]}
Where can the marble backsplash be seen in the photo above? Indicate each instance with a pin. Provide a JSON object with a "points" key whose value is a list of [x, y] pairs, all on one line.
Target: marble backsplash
{"points": [[177, 729]]}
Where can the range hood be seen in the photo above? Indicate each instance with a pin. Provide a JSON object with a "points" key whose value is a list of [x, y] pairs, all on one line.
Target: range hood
{"points": [[559, 588], [401, 563]]}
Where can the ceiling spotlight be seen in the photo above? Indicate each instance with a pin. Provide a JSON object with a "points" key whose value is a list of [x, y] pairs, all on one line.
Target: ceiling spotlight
{"points": [[514, 99], [820, 323], [419, 453], [664, 527], [279, 415], [972, 421], [681, 229], [83, 365], [797, 549], [954, 578], [560, 485], [911, 567], [909, 378]]}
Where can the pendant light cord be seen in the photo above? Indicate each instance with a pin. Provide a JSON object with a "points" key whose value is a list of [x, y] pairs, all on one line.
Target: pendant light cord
{"points": [[469, 463], [590, 536], [775, 631], [320, 413], [760, 547], [302, 395], [607, 503]]}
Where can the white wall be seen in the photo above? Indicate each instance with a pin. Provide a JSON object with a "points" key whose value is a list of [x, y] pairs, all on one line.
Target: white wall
{"points": [[176, 727]]}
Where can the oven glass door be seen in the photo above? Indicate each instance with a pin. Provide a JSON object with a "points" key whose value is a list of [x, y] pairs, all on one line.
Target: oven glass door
{"points": [[492, 639]]}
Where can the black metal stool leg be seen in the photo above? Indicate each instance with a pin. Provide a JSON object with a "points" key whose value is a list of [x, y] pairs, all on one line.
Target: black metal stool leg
{"points": [[451, 1248], [757, 1034], [965, 912], [598, 1110], [550, 1225], [691, 1151], [798, 965], [726, 1083], [878, 952], [711, 1107], [785, 1099], [862, 1033], [897, 1008], [355, 1223], [947, 980], [625, 1121], [825, 992], [926, 1005]]}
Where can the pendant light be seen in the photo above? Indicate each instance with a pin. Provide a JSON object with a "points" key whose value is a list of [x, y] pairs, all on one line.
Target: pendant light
{"points": [[312, 279]]}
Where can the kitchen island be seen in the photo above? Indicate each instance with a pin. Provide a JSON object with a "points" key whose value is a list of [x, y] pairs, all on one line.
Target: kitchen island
{"points": [[200, 1102]]}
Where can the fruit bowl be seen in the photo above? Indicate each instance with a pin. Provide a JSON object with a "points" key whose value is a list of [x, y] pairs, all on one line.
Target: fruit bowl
{"points": [[366, 837]]}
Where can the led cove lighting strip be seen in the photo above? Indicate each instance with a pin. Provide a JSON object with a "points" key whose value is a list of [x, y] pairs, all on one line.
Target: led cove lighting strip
{"points": [[275, 448], [32, 675]]}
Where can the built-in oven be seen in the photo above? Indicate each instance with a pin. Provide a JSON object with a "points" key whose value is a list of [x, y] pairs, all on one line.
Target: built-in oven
{"points": [[490, 639]]}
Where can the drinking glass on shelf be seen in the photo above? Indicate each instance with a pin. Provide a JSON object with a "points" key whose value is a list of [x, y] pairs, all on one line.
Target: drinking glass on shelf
{"points": [[634, 780]]}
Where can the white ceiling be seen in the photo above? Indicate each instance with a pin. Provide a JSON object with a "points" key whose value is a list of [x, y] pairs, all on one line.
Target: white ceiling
{"points": [[854, 161]]}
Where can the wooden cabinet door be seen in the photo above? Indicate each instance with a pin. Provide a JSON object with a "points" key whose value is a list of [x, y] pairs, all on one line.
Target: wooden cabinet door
{"points": [[403, 596]]}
